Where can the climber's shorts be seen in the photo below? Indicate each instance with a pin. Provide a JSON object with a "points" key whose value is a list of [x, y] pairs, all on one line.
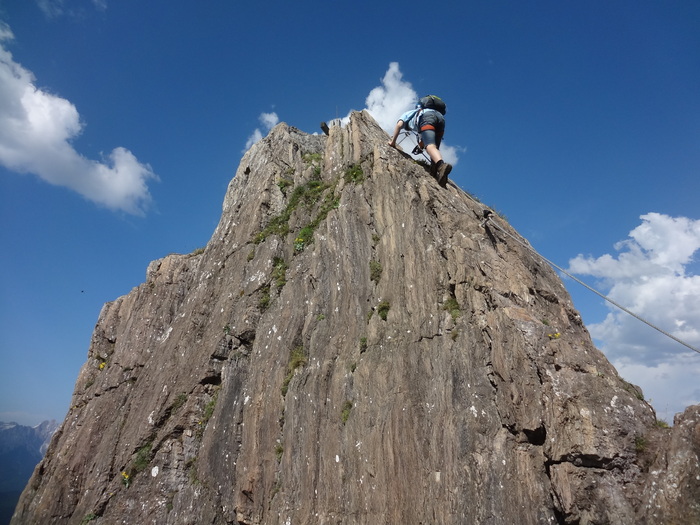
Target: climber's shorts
{"points": [[432, 127]]}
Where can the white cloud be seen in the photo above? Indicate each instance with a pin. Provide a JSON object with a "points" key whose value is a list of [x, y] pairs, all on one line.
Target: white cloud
{"points": [[36, 129], [651, 277], [5, 32], [395, 96], [268, 121], [256, 136], [670, 386]]}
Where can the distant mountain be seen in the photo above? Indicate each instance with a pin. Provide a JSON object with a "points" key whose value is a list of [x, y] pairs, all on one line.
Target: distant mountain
{"points": [[21, 448]]}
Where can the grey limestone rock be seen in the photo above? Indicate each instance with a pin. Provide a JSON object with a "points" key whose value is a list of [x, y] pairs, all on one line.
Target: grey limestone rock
{"points": [[355, 345]]}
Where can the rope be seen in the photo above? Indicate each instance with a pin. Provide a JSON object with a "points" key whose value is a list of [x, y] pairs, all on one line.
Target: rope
{"points": [[488, 218]]}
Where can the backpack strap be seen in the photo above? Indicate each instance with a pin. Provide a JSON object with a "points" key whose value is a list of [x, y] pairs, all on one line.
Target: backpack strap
{"points": [[417, 116]]}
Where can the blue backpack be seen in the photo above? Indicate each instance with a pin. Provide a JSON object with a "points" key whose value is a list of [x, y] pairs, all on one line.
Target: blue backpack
{"points": [[433, 102]]}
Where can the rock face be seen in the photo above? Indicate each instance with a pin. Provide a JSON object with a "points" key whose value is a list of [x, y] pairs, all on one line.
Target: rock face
{"points": [[355, 346]]}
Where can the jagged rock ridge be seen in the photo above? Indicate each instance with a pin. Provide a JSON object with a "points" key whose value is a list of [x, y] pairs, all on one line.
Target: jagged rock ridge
{"points": [[353, 346]]}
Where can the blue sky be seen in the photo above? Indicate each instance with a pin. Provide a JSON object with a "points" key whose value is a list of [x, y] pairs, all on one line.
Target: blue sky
{"points": [[121, 124]]}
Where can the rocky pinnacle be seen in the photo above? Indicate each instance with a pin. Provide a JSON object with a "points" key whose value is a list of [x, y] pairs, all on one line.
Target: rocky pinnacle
{"points": [[356, 345]]}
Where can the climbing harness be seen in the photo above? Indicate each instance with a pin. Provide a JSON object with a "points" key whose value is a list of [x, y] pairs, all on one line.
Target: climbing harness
{"points": [[417, 150], [488, 218]]}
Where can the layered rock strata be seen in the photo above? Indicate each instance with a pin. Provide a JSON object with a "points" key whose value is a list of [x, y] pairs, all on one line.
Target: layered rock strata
{"points": [[355, 345]]}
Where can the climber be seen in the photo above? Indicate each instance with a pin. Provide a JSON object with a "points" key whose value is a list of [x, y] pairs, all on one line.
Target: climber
{"points": [[429, 123]]}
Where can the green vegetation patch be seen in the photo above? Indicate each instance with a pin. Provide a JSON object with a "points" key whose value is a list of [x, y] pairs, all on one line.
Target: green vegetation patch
{"points": [[452, 306], [265, 298], [345, 412], [207, 413], [354, 174], [279, 452], [297, 358], [363, 345], [209, 409], [314, 160], [383, 309], [306, 234], [304, 238], [279, 271], [283, 184], [278, 275], [375, 271], [640, 444], [307, 195], [278, 225], [143, 457], [180, 400], [191, 469]]}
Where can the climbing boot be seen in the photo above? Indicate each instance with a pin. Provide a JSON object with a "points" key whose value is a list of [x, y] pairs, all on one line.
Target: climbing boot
{"points": [[433, 170], [443, 170]]}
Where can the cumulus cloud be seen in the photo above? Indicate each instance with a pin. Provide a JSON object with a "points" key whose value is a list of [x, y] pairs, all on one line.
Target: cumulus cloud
{"points": [[268, 121], [670, 386], [651, 276], [395, 96], [36, 129]]}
